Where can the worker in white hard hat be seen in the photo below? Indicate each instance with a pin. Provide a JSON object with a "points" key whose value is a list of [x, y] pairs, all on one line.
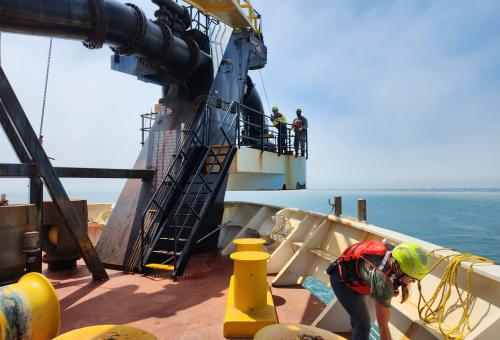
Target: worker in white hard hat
{"points": [[300, 128]]}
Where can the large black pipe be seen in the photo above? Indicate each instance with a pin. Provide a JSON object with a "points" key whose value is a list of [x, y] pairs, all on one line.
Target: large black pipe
{"points": [[255, 116], [102, 21]]}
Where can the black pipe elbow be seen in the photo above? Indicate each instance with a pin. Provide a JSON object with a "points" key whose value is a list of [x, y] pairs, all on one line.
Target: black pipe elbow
{"points": [[96, 22]]}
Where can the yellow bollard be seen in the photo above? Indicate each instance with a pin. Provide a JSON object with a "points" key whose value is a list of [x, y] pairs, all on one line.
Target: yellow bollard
{"points": [[107, 332], [250, 280], [249, 244], [250, 303], [29, 309]]}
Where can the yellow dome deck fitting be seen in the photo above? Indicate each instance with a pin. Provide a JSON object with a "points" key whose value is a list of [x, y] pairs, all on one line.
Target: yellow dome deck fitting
{"points": [[29, 309], [250, 305], [295, 331], [249, 244]]}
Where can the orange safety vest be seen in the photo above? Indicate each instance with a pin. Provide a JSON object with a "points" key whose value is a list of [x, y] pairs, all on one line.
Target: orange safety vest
{"points": [[374, 253], [297, 123]]}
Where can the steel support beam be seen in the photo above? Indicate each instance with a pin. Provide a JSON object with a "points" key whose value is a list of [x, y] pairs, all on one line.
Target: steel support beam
{"points": [[29, 170], [104, 173], [14, 119], [36, 198]]}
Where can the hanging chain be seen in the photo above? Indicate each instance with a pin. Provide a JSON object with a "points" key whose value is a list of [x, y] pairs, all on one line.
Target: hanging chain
{"points": [[40, 136]]}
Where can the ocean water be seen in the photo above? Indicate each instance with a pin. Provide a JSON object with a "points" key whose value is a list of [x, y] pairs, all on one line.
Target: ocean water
{"points": [[465, 220]]}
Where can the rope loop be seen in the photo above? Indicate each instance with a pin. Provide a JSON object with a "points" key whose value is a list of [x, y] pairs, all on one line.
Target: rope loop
{"points": [[436, 307]]}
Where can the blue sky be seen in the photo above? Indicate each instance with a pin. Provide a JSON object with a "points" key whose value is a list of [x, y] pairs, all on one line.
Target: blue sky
{"points": [[398, 93]]}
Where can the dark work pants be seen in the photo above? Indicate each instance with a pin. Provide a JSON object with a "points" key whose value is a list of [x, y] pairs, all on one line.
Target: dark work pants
{"points": [[355, 305], [282, 132], [300, 141]]}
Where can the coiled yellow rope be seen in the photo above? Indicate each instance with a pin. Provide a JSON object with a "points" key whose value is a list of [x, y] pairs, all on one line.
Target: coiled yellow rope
{"points": [[442, 294]]}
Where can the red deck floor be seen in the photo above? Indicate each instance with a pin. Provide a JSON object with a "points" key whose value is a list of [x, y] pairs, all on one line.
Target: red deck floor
{"points": [[191, 308]]}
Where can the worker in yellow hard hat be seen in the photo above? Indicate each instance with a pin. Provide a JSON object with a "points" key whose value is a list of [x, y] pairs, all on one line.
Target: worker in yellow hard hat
{"points": [[279, 121], [380, 270]]}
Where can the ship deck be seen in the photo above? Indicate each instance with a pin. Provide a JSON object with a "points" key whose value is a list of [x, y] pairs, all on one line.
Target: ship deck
{"points": [[192, 307]]}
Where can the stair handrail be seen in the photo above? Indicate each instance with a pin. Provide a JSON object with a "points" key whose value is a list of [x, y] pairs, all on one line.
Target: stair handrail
{"points": [[207, 101], [177, 156], [137, 252], [202, 163], [218, 103], [220, 131]]}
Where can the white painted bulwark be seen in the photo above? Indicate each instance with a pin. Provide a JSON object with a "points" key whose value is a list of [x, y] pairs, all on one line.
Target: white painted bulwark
{"points": [[303, 244], [253, 169]]}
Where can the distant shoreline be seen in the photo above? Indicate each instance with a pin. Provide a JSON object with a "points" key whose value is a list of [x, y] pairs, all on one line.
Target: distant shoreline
{"points": [[415, 189], [494, 190]]}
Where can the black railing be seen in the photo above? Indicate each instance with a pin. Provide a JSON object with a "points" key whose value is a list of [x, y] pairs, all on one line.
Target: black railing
{"points": [[263, 136], [147, 120], [201, 21], [255, 130]]}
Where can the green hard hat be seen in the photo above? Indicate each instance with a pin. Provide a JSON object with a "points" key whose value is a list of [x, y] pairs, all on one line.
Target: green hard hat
{"points": [[412, 258], [275, 108], [299, 109]]}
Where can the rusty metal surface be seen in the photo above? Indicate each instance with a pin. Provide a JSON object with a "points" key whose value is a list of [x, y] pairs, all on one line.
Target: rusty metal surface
{"points": [[14, 221], [36, 198], [64, 252], [14, 119], [118, 238]]}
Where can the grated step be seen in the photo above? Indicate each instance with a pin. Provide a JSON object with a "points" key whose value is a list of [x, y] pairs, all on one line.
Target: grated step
{"points": [[187, 214], [179, 227], [167, 252], [159, 266], [173, 239]]}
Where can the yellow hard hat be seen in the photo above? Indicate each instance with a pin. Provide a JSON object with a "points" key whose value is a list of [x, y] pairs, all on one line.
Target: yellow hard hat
{"points": [[274, 109], [413, 259]]}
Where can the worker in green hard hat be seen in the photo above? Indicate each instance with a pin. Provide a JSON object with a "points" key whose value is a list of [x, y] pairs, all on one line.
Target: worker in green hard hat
{"points": [[279, 121], [379, 270], [299, 126]]}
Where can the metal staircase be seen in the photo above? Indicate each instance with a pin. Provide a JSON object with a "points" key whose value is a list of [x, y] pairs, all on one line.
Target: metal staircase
{"points": [[173, 219]]}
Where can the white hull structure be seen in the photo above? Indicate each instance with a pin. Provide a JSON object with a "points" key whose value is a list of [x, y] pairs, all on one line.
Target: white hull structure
{"points": [[253, 169], [302, 244]]}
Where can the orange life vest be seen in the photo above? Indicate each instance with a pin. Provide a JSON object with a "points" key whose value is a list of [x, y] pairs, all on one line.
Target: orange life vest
{"points": [[297, 124], [374, 253]]}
